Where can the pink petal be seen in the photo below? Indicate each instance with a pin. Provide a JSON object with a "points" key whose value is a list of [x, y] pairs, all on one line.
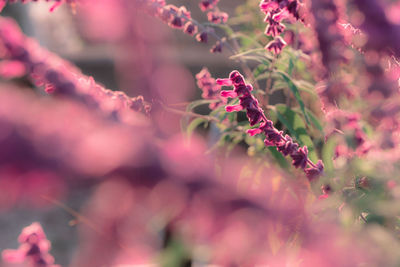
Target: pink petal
{"points": [[253, 132], [230, 94], [12, 69], [2, 5], [233, 108], [281, 15], [224, 82]]}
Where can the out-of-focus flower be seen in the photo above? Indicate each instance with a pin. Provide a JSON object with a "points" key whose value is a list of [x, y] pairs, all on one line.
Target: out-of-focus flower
{"points": [[202, 37], [217, 17], [60, 78], [217, 48], [34, 248], [190, 28], [211, 90], [208, 4]]}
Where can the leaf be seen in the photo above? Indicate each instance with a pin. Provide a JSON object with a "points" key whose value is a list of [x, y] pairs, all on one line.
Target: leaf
{"points": [[246, 40], [295, 91], [291, 66], [279, 157], [315, 121], [328, 152], [260, 69], [200, 102], [296, 127], [193, 125]]}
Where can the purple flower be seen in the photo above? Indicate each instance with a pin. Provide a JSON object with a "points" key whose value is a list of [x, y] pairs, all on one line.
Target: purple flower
{"points": [[254, 112], [217, 17], [274, 27], [202, 37], [276, 45], [300, 157], [217, 48], [207, 4], [314, 171], [190, 28], [287, 146], [273, 137]]}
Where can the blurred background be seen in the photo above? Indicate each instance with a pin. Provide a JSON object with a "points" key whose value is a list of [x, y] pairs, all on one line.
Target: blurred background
{"points": [[123, 49]]}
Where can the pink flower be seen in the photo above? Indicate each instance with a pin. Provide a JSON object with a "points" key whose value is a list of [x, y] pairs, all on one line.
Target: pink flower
{"points": [[34, 248], [207, 4], [217, 48], [268, 5], [190, 28], [217, 17], [202, 37]]}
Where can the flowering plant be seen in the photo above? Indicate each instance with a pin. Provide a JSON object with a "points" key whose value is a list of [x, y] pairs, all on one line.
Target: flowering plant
{"points": [[292, 160]]}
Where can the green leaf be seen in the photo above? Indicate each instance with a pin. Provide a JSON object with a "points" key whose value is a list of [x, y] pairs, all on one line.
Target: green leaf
{"points": [[315, 121], [291, 66], [246, 40], [296, 127], [200, 102], [328, 152], [193, 125], [260, 69], [185, 118], [295, 91], [279, 157]]}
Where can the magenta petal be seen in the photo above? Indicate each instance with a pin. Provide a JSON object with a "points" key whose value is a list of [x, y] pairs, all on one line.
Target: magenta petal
{"points": [[253, 132], [281, 15], [2, 5], [268, 6], [230, 94], [224, 82], [233, 108]]}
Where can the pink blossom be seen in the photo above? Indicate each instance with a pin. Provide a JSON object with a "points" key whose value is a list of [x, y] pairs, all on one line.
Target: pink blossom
{"points": [[34, 248], [217, 17]]}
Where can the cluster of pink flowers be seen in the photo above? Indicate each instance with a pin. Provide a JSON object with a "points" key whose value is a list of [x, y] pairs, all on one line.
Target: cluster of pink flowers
{"points": [[276, 11], [180, 18], [211, 90], [60, 78], [274, 137], [214, 15], [175, 17], [34, 248]]}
